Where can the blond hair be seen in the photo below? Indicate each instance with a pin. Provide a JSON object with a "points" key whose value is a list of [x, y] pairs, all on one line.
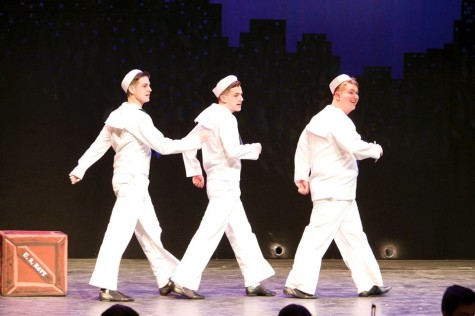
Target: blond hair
{"points": [[347, 82]]}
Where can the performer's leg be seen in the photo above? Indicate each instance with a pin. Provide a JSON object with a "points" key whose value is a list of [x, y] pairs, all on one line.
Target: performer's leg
{"points": [[254, 267], [119, 231], [207, 237], [148, 233], [317, 237], [356, 251]]}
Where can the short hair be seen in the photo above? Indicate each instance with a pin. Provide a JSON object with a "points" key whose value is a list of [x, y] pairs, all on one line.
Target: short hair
{"points": [[344, 83], [294, 310], [232, 85], [137, 78], [455, 296], [120, 310]]}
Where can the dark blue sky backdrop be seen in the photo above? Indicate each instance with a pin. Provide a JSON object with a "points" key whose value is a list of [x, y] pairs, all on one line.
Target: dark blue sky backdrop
{"points": [[362, 32]]}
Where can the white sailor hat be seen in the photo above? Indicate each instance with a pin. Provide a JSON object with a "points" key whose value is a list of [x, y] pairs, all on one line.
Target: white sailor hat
{"points": [[338, 81], [128, 79], [223, 84]]}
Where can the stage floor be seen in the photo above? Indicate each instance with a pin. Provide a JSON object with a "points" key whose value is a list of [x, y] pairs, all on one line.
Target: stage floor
{"points": [[417, 290]]}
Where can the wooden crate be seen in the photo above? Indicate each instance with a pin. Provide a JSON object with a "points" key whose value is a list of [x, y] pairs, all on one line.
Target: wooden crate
{"points": [[33, 263]]}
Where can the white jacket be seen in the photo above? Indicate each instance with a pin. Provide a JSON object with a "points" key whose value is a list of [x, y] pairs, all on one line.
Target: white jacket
{"points": [[223, 151], [327, 154], [131, 134]]}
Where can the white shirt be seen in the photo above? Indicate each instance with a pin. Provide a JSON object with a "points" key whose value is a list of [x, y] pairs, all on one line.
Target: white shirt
{"points": [[131, 134], [223, 151], [327, 154]]}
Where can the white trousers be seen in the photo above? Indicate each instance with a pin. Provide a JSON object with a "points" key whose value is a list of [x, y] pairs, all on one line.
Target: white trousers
{"points": [[224, 214], [133, 212], [338, 220]]}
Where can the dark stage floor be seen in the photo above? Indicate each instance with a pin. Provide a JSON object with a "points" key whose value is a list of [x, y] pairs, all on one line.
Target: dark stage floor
{"points": [[417, 290]]}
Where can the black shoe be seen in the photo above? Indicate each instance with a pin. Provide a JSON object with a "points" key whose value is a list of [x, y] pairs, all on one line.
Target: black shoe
{"points": [[114, 296], [298, 294], [165, 290], [375, 291], [259, 290], [183, 291]]}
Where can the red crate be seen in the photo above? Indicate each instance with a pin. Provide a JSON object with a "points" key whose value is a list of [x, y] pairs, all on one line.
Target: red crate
{"points": [[33, 263]]}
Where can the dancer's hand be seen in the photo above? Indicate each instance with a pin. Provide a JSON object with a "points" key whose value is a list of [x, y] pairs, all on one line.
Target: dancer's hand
{"points": [[198, 181], [303, 187], [74, 179]]}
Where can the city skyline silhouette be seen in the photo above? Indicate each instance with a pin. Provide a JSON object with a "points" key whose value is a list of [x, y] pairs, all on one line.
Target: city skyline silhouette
{"points": [[372, 33]]}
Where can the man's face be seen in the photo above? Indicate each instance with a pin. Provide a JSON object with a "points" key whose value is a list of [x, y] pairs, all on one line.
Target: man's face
{"points": [[349, 96], [142, 90], [233, 99]]}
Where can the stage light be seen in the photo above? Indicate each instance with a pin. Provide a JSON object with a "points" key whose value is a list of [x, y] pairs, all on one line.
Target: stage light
{"points": [[389, 251], [277, 250]]}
